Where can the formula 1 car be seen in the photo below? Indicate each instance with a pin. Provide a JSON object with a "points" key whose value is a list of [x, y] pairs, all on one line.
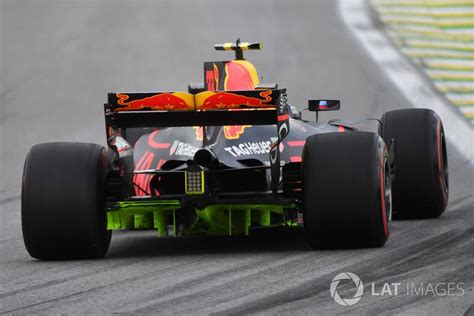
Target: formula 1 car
{"points": [[228, 156]]}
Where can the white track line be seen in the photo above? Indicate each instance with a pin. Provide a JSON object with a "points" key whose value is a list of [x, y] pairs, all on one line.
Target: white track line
{"points": [[405, 76]]}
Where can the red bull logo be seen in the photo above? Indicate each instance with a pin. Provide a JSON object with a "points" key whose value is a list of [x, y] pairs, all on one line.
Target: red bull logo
{"points": [[233, 75], [227, 100], [162, 101], [234, 131], [238, 77]]}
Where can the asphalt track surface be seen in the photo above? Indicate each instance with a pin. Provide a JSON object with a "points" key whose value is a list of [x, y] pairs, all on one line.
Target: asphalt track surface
{"points": [[59, 58]]}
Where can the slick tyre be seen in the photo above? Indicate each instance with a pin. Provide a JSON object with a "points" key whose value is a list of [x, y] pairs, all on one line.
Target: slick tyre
{"points": [[421, 184], [347, 190], [62, 202]]}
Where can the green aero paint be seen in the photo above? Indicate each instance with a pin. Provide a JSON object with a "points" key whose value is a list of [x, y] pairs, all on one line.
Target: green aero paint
{"points": [[140, 214], [217, 219]]}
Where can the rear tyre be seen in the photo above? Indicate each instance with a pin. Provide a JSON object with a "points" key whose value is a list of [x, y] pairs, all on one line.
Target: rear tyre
{"points": [[421, 184], [63, 213], [347, 190]]}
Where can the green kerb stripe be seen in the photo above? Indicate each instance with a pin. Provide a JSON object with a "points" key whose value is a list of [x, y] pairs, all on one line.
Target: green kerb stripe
{"points": [[438, 35]]}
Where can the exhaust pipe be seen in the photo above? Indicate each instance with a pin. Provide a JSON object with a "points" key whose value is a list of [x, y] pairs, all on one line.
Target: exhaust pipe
{"points": [[205, 157]]}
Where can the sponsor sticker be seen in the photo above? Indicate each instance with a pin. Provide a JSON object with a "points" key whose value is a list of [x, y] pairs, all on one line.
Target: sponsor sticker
{"points": [[249, 148], [182, 149]]}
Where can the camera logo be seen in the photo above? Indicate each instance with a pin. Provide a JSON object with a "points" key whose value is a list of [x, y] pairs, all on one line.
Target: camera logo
{"points": [[346, 301]]}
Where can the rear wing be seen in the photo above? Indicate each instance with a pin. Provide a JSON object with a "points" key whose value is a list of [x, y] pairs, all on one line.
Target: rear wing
{"points": [[208, 108]]}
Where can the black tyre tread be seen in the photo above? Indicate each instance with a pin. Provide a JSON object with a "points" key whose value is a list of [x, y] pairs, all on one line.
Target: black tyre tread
{"points": [[63, 215], [341, 192], [418, 190]]}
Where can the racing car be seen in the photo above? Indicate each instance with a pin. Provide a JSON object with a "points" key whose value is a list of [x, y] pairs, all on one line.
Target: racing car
{"points": [[226, 157]]}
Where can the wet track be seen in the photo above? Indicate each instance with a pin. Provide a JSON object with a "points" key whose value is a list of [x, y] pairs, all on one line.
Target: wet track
{"points": [[59, 58]]}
